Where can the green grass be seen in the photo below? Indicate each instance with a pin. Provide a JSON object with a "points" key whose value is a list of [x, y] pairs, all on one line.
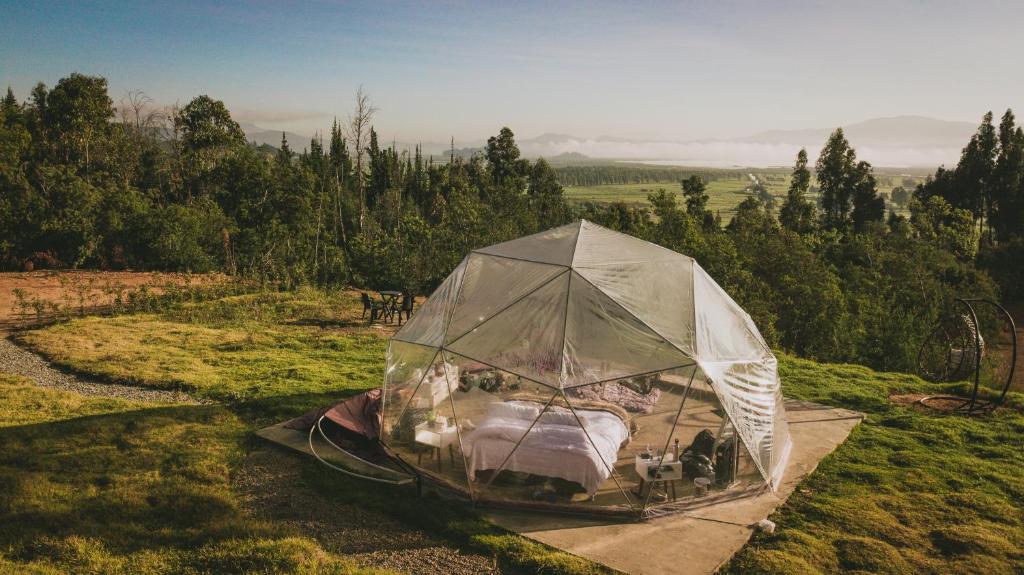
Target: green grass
{"points": [[163, 473], [242, 347], [110, 486], [92, 482], [908, 492]]}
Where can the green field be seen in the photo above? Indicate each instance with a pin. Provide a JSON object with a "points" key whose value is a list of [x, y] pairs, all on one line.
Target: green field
{"points": [[726, 192]]}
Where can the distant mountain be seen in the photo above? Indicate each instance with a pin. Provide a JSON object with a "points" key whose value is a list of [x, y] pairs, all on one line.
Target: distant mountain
{"points": [[898, 131], [900, 141], [568, 158], [547, 139], [263, 136]]}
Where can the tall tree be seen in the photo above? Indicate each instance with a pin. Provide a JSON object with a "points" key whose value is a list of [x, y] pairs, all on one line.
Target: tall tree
{"points": [[358, 131], [834, 166], [974, 171], [503, 158], [207, 135], [344, 211], [797, 213], [9, 108], [206, 124], [77, 114], [695, 192], [377, 180], [546, 198], [868, 206], [1006, 207]]}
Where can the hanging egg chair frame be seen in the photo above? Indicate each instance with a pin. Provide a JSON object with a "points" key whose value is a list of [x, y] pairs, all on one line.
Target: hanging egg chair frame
{"points": [[969, 339]]}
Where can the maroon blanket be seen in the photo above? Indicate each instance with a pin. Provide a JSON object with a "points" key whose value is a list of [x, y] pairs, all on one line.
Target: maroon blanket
{"points": [[359, 414]]}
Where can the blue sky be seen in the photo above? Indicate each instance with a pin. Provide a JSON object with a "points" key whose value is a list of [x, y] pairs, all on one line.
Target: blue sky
{"points": [[646, 70]]}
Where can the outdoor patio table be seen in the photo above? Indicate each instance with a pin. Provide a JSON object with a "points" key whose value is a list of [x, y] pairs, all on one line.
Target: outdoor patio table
{"points": [[390, 299]]}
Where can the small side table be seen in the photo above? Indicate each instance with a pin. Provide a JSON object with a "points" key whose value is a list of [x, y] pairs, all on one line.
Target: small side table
{"points": [[437, 438], [659, 469]]}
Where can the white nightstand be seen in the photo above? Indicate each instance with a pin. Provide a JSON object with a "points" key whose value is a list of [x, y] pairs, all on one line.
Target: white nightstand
{"points": [[665, 469], [437, 438]]}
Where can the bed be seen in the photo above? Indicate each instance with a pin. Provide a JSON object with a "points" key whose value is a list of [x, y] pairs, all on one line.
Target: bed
{"points": [[555, 447]]}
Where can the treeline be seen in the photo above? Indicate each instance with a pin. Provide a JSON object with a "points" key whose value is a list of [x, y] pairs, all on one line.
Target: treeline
{"points": [[637, 174], [986, 189], [839, 277], [85, 184]]}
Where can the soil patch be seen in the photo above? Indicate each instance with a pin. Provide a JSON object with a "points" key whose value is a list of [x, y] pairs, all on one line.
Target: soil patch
{"points": [[77, 290]]}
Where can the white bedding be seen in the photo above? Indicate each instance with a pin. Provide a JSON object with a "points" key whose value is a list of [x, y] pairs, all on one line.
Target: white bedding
{"points": [[555, 447]]}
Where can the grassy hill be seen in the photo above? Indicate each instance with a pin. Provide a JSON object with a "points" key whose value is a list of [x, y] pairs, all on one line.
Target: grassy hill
{"points": [[97, 485]]}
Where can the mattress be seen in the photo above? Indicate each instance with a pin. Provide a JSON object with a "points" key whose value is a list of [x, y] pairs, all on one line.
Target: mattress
{"points": [[556, 445]]}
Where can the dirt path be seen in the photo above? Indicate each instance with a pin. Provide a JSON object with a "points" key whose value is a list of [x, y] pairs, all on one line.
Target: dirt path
{"points": [[269, 483], [75, 290], [19, 361]]}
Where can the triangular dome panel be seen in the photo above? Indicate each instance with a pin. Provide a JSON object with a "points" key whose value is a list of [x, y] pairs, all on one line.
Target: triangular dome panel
{"points": [[554, 246], [658, 293], [525, 338], [428, 325], [604, 341], [724, 332], [598, 245], [492, 283]]}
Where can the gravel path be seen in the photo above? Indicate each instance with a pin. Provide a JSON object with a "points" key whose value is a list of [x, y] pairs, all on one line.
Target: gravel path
{"points": [[18, 361], [270, 486]]}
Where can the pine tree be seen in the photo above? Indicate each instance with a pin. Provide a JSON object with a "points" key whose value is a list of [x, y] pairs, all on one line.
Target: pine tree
{"points": [[695, 192], [868, 206], [1007, 180], [340, 166], [377, 183], [797, 213], [10, 111], [834, 166], [285, 153], [973, 175]]}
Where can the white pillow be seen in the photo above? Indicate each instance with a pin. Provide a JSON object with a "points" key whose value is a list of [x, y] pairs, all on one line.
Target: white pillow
{"points": [[515, 410], [560, 417]]}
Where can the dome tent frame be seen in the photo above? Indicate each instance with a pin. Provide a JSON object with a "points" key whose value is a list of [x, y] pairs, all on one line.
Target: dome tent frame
{"points": [[568, 310]]}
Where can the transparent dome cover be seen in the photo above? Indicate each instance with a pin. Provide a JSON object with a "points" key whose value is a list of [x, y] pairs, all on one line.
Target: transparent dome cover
{"points": [[584, 369]]}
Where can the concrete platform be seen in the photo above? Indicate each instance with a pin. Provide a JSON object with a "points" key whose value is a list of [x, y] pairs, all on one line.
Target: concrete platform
{"points": [[702, 539], [696, 541]]}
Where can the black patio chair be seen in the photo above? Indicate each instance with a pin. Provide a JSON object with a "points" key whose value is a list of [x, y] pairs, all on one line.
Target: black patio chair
{"points": [[375, 307], [367, 303], [408, 301]]}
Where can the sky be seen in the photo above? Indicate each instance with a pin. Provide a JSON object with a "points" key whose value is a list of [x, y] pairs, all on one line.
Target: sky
{"points": [[645, 70]]}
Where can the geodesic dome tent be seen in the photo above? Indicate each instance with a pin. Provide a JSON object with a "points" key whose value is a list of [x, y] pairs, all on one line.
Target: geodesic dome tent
{"points": [[586, 370]]}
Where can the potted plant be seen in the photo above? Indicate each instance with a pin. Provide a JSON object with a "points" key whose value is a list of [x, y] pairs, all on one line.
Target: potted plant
{"points": [[432, 422]]}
